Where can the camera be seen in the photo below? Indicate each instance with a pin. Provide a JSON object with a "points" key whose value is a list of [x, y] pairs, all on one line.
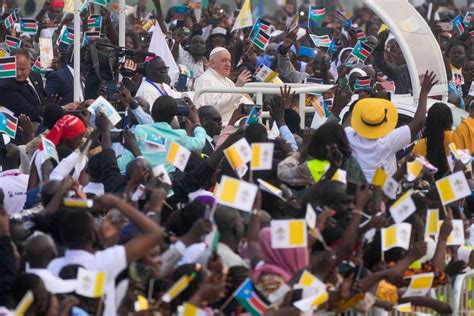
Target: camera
{"points": [[183, 107]]}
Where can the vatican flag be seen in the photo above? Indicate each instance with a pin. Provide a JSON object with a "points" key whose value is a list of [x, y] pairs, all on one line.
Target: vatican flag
{"points": [[244, 19]]}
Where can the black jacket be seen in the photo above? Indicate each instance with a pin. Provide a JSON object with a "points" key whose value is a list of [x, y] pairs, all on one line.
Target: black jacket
{"points": [[19, 99], [399, 74], [61, 82]]}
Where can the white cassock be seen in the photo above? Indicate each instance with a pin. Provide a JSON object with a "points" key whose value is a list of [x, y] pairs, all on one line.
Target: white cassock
{"points": [[224, 102], [151, 91]]}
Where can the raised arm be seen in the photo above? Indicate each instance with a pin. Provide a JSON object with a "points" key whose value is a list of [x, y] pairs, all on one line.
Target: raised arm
{"points": [[150, 235], [416, 125]]}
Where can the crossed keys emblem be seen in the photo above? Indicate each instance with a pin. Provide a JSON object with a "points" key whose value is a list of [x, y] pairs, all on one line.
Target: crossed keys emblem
{"points": [[244, 150], [265, 155], [403, 235], [459, 185], [181, 159], [281, 234]]}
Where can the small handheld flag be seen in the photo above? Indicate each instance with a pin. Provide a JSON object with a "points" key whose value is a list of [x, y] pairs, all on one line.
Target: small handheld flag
{"points": [[403, 207], [458, 25], [12, 42], [288, 233], [397, 235], [8, 67], [8, 124], [25, 303], [37, 66], [90, 283], [420, 284], [332, 47], [262, 156], [11, 19], [248, 297], [294, 24], [253, 115], [340, 17], [67, 37], [363, 83], [316, 14], [238, 154], [261, 39], [453, 188], [362, 51], [467, 19], [260, 25], [432, 219], [28, 26], [178, 287], [361, 36], [94, 22], [320, 41], [265, 74], [49, 149], [88, 36], [178, 156], [244, 19], [237, 194]]}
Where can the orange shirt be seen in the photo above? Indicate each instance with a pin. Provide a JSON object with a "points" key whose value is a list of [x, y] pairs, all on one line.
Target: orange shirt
{"points": [[421, 150], [464, 135]]}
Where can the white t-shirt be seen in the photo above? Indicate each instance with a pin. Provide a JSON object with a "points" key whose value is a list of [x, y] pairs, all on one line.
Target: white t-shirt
{"points": [[14, 185], [374, 153], [112, 261]]}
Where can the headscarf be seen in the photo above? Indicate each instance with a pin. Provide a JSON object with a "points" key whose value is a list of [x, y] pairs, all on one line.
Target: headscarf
{"points": [[66, 128], [335, 64], [291, 260]]}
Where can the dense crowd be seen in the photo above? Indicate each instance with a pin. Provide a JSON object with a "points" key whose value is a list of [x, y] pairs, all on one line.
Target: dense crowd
{"points": [[142, 195]]}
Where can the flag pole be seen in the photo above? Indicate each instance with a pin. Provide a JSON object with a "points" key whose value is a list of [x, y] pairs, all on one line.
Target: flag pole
{"points": [[122, 23], [77, 49]]}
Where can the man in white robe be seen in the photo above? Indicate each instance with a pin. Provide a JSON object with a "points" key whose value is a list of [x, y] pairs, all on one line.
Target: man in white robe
{"points": [[217, 77]]}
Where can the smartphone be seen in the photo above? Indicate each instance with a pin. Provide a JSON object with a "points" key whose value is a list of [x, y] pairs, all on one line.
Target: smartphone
{"points": [[182, 82], [307, 52], [314, 80], [246, 108], [116, 136]]}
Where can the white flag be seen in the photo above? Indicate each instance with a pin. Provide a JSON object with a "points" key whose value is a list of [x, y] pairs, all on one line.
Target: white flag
{"points": [[403, 207], [288, 233], [244, 19], [236, 193], [159, 47]]}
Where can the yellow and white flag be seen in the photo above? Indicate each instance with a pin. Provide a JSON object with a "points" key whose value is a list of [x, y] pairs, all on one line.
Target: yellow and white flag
{"points": [[141, 304], [177, 288], [262, 156], [340, 175], [453, 188], [414, 169], [404, 308], [90, 283], [238, 155], [244, 19], [236, 193], [432, 226], [308, 280], [420, 284], [456, 238], [24, 304], [288, 233], [311, 216], [459, 154], [265, 74], [387, 183], [190, 310], [270, 188], [161, 173], [320, 297], [403, 207], [178, 156], [397, 235]]}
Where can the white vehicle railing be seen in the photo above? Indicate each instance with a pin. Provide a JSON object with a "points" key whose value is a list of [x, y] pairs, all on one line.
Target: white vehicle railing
{"points": [[259, 89]]}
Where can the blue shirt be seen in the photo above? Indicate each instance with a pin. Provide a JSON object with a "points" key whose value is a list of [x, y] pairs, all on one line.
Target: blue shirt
{"points": [[157, 156]]}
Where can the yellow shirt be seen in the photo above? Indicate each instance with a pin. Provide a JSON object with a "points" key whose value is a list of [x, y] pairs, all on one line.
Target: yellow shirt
{"points": [[421, 150], [464, 135]]}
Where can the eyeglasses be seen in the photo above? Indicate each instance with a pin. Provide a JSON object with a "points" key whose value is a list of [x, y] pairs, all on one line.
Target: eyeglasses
{"points": [[163, 68]]}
